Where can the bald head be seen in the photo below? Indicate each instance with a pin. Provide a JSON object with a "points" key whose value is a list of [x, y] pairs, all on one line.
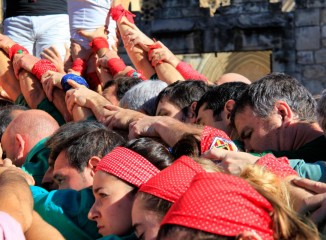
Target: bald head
{"points": [[232, 77], [25, 131]]}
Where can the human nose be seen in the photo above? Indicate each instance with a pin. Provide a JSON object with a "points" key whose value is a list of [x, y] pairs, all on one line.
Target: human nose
{"points": [[93, 213]]}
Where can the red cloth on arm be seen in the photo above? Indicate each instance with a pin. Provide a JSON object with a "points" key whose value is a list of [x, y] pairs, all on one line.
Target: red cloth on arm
{"points": [[14, 49], [118, 12], [98, 43], [41, 67], [93, 80], [116, 65], [135, 74], [79, 65], [188, 73]]}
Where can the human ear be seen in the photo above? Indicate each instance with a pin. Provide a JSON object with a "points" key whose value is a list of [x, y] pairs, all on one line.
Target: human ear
{"points": [[192, 112], [92, 163], [228, 107], [284, 110], [20, 143]]}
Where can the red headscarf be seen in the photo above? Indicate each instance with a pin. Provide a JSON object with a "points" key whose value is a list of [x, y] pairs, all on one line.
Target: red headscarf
{"points": [[128, 166], [223, 205], [213, 137], [174, 180]]}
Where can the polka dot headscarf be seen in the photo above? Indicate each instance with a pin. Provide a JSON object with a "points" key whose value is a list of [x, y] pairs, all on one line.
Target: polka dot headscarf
{"points": [[223, 205], [128, 166], [173, 181]]}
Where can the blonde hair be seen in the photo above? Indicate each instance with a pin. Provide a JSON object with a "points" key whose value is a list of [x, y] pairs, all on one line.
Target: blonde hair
{"points": [[286, 222]]}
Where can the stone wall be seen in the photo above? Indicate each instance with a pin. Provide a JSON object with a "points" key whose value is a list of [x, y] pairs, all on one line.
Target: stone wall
{"points": [[297, 39]]}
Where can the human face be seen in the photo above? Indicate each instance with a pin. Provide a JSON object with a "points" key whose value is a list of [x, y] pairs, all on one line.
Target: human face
{"points": [[205, 117], [10, 149], [258, 134], [146, 223], [166, 108], [112, 207], [68, 177]]}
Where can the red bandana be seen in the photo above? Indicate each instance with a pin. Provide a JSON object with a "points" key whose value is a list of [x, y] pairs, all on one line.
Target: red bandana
{"points": [[213, 137], [173, 181], [128, 166], [279, 166], [223, 205]]}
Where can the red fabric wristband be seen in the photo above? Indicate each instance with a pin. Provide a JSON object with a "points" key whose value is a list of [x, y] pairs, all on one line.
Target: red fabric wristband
{"points": [[79, 65], [41, 67], [93, 80], [188, 73], [118, 12], [98, 43], [14, 49], [116, 65]]}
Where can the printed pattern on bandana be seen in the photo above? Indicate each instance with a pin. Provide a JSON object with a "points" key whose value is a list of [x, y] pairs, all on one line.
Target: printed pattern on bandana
{"points": [[213, 137], [279, 166], [128, 166], [222, 204], [174, 180]]}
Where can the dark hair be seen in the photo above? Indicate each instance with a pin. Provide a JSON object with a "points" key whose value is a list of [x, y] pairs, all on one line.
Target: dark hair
{"points": [[154, 151], [262, 95], [183, 93], [154, 204], [123, 84], [82, 140], [169, 230], [6, 117], [216, 97], [188, 145]]}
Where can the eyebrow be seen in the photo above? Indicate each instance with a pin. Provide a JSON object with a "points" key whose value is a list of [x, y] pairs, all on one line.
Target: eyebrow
{"points": [[58, 175]]}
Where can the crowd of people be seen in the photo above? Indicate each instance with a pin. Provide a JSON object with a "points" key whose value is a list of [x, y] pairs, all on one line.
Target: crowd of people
{"points": [[94, 149]]}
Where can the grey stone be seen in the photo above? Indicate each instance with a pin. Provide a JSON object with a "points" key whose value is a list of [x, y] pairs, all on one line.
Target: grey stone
{"points": [[323, 31], [323, 16], [324, 42], [308, 38], [320, 56], [313, 72], [307, 17], [305, 57]]}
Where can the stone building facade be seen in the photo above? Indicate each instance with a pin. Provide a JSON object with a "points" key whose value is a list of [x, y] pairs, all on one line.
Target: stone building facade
{"points": [[291, 41]]}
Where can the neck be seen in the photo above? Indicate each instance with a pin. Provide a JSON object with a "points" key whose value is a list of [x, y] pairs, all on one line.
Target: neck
{"points": [[297, 134]]}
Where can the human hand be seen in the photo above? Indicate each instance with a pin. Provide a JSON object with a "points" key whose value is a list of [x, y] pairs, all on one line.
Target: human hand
{"points": [[77, 51], [6, 42], [316, 204], [23, 61], [232, 162], [98, 32], [120, 118], [162, 54], [134, 36], [49, 81], [143, 127], [54, 56]]}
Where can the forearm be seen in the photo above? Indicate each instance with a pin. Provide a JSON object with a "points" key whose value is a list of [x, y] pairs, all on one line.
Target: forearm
{"points": [[171, 130]]}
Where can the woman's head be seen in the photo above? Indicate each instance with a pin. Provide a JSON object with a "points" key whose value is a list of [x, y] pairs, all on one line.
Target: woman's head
{"points": [[118, 176], [221, 206], [155, 197]]}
